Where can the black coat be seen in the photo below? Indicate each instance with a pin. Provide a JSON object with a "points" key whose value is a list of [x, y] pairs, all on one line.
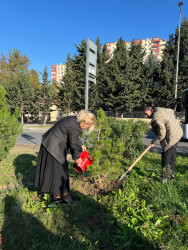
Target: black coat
{"points": [[62, 136]]}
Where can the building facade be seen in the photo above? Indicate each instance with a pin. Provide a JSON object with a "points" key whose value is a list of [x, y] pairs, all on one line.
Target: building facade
{"points": [[155, 46], [58, 71]]}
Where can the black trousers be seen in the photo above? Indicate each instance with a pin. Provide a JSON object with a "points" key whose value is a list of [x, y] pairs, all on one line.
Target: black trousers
{"points": [[169, 161]]}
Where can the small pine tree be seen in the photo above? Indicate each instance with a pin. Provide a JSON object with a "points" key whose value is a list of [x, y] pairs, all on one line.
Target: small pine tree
{"points": [[108, 153], [10, 127]]}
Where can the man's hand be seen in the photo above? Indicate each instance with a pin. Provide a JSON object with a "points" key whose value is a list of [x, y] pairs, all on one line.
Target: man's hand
{"points": [[152, 145], [78, 162], [83, 148]]}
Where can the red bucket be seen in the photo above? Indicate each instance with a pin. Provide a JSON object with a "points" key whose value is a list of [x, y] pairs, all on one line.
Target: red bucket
{"points": [[87, 160]]}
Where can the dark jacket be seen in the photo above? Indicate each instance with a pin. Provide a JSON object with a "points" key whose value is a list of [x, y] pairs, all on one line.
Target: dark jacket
{"points": [[62, 136]]}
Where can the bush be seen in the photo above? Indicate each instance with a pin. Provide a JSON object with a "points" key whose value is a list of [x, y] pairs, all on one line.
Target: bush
{"points": [[10, 128], [130, 133]]}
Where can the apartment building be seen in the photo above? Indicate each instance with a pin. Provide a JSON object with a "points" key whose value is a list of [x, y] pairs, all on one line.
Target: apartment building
{"points": [[155, 46], [58, 71]]}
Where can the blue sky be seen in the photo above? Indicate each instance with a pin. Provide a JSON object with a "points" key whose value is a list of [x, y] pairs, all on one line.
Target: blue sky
{"points": [[46, 31]]}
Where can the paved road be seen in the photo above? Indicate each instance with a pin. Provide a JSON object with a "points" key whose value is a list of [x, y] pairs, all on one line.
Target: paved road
{"points": [[182, 145], [33, 137]]}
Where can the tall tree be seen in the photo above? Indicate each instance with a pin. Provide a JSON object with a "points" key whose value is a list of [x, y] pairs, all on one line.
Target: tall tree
{"points": [[117, 78], [12, 64], [167, 83], [135, 91], [97, 91], [126, 78], [183, 66], [47, 95], [20, 93], [79, 68], [36, 86], [152, 78], [66, 89], [18, 81]]}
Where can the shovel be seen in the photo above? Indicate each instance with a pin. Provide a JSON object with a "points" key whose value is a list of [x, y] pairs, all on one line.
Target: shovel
{"points": [[124, 176]]}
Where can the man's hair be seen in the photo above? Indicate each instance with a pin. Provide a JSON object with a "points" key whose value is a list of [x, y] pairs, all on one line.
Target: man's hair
{"points": [[150, 106]]}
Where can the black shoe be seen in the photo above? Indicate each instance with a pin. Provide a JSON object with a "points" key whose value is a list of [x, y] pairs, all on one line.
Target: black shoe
{"points": [[59, 201], [70, 199]]}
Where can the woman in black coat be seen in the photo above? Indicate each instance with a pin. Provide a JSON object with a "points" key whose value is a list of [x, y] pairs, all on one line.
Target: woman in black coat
{"points": [[52, 174]]}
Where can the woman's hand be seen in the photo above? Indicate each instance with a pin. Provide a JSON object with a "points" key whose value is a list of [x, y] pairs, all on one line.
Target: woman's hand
{"points": [[78, 162], [152, 145], [83, 148]]}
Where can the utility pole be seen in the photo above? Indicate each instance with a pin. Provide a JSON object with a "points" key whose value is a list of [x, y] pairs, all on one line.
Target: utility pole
{"points": [[178, 51]]}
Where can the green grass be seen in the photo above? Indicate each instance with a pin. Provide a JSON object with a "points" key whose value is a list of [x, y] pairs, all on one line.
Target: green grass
{"points": [[144, 214]]}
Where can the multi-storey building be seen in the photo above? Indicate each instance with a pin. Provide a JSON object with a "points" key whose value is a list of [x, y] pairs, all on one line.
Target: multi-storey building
{"points": [[153, 46], [58, 71]]}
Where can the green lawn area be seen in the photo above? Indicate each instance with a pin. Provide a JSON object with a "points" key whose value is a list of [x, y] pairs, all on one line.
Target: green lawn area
{"points": [[143, 214]]}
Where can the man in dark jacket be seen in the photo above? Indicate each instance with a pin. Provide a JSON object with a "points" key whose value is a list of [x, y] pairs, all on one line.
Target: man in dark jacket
{"points": [[52, 169]]}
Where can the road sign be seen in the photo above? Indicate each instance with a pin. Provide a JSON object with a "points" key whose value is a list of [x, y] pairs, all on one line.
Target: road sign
{"points": [[91, 66]]}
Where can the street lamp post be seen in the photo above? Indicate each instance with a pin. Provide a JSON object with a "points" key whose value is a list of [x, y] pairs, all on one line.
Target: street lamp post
{"points": [[178, 51]]}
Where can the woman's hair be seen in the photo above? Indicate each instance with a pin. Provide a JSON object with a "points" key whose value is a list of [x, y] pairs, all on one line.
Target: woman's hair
{"points": [[87, 117], [150, 106]]}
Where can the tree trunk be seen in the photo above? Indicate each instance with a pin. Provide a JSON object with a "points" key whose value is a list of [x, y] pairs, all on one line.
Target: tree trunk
{"points": [[22, 115], [45, 119]]}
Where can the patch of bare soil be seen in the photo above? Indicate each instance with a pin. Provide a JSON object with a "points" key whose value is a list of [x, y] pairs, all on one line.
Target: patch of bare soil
{"points": [[92, 187]]}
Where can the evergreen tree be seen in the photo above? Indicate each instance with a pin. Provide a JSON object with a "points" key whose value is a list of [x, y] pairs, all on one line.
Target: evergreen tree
{"points": [[66, 89], [97, 92], [117, 78], [10, 128], [135, 91], [20, 93], [167, 83], [102, 77], [168, 67], [126, 78], [152, 78], [183, 65], [13, 70], [47, 95], [79, 69]]}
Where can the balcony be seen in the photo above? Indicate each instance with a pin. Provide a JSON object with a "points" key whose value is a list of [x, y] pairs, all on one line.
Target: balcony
{"points": [[156, 39], [156, 45], [156, 50], [139, 41]]}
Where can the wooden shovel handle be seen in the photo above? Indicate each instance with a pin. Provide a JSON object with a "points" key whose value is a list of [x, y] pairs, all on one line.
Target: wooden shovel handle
{"points": [[123, 177], [143, 153]]}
